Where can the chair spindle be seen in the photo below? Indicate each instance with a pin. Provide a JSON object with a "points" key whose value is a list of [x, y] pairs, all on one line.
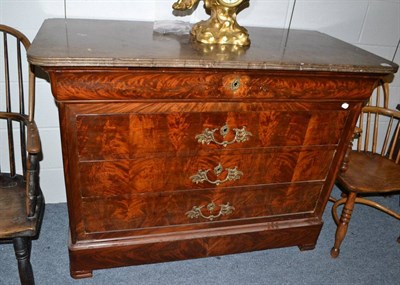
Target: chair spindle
{"points": [[11, 152]]}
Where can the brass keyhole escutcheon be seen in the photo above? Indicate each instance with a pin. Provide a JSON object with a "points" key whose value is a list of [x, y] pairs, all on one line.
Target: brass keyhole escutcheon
{"points": [[224, 130], [235, 85]]}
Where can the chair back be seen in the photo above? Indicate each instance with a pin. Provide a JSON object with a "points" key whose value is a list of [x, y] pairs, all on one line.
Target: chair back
{"points": [[380, 126], [14, 68]]}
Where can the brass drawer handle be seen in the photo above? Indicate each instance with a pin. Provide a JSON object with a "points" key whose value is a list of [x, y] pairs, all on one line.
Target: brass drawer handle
{"points": [[196, 211], [241, 135], [201, 175]]}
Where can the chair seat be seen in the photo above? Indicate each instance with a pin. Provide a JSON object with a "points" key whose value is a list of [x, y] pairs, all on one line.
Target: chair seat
{"points": [[370, 173], [14, 221]]}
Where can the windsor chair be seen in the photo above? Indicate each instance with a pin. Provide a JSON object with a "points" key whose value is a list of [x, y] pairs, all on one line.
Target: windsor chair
{"points": [[373, 167], [21, 199]]}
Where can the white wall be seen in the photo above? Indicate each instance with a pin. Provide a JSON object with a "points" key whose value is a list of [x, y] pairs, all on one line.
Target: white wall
{"points": [[370, 24]]}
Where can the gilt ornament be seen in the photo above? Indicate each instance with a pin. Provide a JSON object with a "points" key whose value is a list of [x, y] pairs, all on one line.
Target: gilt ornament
{"points": [[221, 28]]}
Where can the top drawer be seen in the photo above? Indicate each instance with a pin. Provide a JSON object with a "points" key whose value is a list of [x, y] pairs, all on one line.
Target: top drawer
{"points": [[125, 84], [128, 130]]}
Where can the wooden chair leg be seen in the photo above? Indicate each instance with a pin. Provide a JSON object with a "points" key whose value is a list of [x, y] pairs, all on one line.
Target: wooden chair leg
{"points": [[343, 224], [22, 248]]}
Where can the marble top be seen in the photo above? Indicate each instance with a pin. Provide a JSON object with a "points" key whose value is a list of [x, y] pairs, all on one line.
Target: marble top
{"points": [[112, 43]]}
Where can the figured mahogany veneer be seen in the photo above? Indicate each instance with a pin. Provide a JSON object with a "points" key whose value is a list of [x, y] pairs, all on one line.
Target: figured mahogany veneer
{"points": [[199, 84], [171, 152]]}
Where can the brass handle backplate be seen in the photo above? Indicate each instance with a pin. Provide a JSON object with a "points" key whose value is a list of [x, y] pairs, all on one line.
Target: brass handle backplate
{"points": [[201, 175], [196, 211], [207, 137]]}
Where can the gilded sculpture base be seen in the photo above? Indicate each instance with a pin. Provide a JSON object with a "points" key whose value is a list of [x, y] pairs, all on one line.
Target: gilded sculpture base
{"points": [[215, 31], [221, 28]]}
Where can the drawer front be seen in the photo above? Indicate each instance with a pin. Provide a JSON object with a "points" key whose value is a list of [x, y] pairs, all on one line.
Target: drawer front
{"points": [[216, 169], [134, 130], [192, 84], [144, 165], [135, 212]]}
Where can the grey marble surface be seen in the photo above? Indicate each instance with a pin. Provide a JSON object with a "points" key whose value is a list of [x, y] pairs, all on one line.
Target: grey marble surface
{"points": [[111, 43]]}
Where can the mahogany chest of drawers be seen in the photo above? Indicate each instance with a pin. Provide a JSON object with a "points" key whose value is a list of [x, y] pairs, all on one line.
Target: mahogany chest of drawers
{"points": [[176, 150]]}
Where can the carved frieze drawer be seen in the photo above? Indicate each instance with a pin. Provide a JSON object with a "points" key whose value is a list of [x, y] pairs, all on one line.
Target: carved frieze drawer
{"points": [[123, 84]]}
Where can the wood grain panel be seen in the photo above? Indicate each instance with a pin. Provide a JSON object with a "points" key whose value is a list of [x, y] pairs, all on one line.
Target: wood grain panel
{"points": [[88, 256], [170, 173], [105, 135], [116, 136], [127, 212], [123, 84]]}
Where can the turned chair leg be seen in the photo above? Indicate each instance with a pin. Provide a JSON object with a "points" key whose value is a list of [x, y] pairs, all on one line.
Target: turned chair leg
{"points": [[22, 248], [343, 224]]}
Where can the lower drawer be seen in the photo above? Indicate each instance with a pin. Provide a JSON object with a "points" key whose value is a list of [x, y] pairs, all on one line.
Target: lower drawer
{"points": [[152, 210]]}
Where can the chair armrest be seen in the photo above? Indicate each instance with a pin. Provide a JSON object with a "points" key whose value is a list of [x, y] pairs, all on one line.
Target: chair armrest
{"points": [[33, 147], [33, 138], [357, 133], [345, 164]]}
